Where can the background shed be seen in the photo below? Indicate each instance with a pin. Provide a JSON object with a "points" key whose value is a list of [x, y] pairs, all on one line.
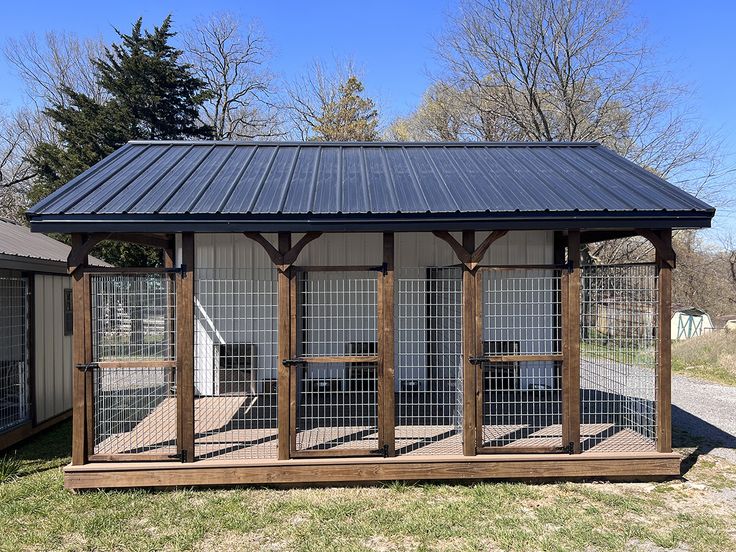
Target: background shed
{"points": [[690, 322], [35, 332]]}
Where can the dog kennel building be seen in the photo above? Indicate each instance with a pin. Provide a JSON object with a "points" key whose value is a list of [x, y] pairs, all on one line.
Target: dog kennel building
{"points": [[334, 312]]}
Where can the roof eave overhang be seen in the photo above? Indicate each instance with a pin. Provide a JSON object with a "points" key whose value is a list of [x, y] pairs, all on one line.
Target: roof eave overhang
{"points": [[370, 222]]}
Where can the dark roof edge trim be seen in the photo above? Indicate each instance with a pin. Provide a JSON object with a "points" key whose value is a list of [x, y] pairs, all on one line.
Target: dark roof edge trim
{"points": [[517, 221]]}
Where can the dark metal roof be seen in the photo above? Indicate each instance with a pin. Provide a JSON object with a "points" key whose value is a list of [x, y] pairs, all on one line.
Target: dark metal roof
{"points": [[231, 186], [21, 250]]}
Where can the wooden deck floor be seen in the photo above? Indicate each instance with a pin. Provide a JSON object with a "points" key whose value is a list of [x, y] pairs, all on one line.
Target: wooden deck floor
{"points": [[223, 433]]}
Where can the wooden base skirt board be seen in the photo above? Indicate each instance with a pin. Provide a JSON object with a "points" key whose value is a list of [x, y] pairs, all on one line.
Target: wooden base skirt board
{"points": [[634, 466]]}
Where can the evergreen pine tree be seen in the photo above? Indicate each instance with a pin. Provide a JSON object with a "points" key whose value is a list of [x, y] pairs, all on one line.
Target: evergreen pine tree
{"points": [[151, 94]]}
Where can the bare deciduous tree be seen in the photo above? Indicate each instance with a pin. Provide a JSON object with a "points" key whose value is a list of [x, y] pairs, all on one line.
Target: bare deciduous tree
{"points": [[231, 63], [327, 105], [59, 62], [574, 70]]}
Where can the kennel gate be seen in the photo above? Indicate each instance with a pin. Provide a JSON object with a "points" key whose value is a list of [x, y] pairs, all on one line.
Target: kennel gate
{"points": [[519, 372], [337, 378]]}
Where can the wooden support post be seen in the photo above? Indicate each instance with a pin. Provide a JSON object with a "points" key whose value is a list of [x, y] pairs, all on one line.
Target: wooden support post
{"points": [[571, 327], [285, 309], [185, 349], [470, 345], [664, 353], [79, 354], [386, 344]]}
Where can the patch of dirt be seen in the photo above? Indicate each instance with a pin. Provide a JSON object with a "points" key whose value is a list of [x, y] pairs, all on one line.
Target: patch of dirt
{"points": [[239, 541]]}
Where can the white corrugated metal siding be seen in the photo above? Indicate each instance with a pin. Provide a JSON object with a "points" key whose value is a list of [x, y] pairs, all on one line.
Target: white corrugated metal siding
{"points": [[53, 350]]}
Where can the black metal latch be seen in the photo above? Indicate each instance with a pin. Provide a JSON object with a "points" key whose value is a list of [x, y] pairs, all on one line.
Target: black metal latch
{"points": [[569, 448], [383, 451], [87, 367], [477, 360], [289, 362]]}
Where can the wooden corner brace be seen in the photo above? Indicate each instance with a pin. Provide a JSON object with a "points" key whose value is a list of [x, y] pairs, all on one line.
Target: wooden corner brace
{"points": [[283, 259], [471, 259], [662, 245]]}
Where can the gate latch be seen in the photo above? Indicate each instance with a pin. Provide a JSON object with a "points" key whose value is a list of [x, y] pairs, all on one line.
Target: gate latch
{"points": [[87, 367], [477, 360], [289, 362]]}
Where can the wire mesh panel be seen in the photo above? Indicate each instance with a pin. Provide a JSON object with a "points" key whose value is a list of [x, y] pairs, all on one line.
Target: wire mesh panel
{"points": [[521, 317], [339, 313], [134, 411], [133, 316], [236, 354], [429, 403], [522, 405], [521, 311], [14, 393], [337, 414], [618, 357], [337, 400]]}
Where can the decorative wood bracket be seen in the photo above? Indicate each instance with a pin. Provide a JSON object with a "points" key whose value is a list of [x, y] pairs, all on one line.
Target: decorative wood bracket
{"points": [[283, 259], [471, 259], [662, 246], [80, 251]]}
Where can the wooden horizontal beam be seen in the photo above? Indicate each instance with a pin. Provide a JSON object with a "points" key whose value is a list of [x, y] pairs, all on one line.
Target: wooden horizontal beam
{"points": [[132, 364], [158, 241], [593, 236], [370, 470], [524, 358], [337, 359]]}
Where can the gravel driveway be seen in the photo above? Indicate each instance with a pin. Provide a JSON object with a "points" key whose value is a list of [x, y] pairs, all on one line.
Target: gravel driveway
{"points": [[704, 415]]}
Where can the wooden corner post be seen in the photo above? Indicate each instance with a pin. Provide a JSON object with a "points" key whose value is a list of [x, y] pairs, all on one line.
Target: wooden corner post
{"points": [[81, 353], [285, 284], [665, 260], [470, 345], [185, 349], [571, 349], [386, 345]]}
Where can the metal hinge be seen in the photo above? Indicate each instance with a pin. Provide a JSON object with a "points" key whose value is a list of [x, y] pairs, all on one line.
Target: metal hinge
{"points": [[383, 269], [383, 451], [182, 269], [87, 367], [180, 455]]}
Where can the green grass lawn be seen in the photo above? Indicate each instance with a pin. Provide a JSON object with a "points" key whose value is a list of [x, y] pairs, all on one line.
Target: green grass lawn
{"points": [[710, 357], [36, 513]]}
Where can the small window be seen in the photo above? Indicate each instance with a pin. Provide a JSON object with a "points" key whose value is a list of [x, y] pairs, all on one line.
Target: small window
{"points": [[68, 312]]}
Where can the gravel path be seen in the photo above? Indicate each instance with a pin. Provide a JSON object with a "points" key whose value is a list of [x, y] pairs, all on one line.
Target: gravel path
{"points": [[704, 415]]}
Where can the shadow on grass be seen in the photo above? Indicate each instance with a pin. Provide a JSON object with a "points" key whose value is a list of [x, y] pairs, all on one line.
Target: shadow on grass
{"points": [[48, 450], [692, 432]]}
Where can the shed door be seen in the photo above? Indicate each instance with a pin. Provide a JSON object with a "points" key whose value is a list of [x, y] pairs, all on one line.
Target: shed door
{"points": [[336, 378]]}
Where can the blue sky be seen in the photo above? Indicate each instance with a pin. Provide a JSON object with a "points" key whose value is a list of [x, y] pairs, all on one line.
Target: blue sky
{"points": [[392, 42]]}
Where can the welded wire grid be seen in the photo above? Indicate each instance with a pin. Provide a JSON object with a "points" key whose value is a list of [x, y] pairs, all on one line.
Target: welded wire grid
{"points": [[429, 405], [133, 316], [236, 363], [618, 357], [521, 311], [134, 410], [14, 392], [337, 407], [522, 404], [336, 309]]}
